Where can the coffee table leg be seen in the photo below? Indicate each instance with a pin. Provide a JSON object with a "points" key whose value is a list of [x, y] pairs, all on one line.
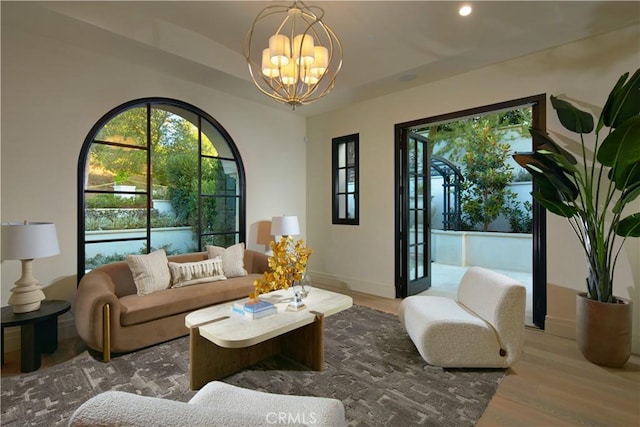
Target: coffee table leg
{"points": [[29, 348], [209, 362], [306, 344]]}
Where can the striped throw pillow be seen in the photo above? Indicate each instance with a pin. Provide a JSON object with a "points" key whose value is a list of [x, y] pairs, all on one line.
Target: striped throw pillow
{"points": [[190, 273]]}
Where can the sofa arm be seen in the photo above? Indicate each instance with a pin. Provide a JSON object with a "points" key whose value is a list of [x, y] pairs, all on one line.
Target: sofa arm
{"points": [[255, 262], [95, 291]]}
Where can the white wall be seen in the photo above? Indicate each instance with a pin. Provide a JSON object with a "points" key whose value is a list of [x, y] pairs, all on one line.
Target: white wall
{"points": [[52, 94], [362, 257]]}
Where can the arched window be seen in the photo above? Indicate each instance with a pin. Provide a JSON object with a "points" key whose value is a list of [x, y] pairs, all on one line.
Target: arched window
{"points": [[157, 173]]}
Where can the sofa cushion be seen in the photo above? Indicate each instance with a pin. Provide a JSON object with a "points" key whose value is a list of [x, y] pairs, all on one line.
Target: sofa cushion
{"points": [[232, 259], [150, 272], [137, 309], [191, 273]]}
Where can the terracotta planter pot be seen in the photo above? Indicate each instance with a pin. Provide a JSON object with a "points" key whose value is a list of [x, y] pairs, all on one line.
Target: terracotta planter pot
{"points": [[603, 330]]}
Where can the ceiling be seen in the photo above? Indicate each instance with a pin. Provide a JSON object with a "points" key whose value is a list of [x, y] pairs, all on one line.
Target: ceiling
{"points": [[388, 45]]}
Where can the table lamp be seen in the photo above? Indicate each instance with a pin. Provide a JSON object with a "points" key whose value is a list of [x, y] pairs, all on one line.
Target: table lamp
{"points": [[285, 226], [25, 242]]}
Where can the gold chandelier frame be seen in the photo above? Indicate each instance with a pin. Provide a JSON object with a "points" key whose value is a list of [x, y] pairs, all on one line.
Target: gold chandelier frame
{"points": [[293, 68]]}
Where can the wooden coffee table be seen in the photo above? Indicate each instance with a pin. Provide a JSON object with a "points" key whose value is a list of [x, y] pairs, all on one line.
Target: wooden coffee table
{"points": [[223, 342]]}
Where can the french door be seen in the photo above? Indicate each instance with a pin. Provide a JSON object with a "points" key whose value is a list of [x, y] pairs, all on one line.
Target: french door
{"points": [[413, 251], [413, 196]]}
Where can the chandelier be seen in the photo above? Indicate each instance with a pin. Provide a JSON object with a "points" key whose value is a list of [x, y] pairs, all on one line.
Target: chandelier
{"points": [[293, 56]]}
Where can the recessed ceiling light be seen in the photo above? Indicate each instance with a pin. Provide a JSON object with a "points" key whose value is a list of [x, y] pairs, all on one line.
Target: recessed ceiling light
{"points": [[465, 10]]}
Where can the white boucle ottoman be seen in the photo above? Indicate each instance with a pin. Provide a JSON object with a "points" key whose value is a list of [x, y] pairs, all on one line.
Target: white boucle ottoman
{"points": [[484, 328]]}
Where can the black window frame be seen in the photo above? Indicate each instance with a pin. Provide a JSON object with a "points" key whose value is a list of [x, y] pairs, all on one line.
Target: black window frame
{"points": [[336, 168], [149, 103]]}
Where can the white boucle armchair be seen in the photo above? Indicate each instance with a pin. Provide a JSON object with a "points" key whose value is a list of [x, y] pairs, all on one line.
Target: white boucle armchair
{"points": [[484, 328], [217, 404]]}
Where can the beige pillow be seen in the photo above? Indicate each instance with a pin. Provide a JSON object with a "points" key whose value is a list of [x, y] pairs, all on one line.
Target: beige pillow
{"points": [[232, 259], [190, 273], [150, 272]]}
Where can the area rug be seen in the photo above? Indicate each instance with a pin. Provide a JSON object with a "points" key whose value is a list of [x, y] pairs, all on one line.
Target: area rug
{"points": [[370, 365]]}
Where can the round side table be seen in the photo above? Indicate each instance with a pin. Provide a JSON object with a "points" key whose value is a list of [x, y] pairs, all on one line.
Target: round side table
{"points": [[38, 331]]}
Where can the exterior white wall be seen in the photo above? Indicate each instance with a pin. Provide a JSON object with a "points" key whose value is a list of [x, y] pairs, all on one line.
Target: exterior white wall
{"points": [[52, 94], [362, 257]]}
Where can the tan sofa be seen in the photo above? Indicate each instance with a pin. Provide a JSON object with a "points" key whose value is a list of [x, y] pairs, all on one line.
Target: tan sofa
{"points": [[111, 317]]}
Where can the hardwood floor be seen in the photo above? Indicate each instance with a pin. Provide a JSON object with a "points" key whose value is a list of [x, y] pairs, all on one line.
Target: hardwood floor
{"points": [[551, 385], [554, 385]]}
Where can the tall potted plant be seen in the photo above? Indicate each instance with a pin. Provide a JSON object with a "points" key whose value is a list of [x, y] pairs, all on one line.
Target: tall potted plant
{"points": [[598, 197]]}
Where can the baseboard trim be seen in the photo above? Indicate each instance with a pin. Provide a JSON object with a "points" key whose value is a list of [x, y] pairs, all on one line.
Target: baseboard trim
{"points": [[335, 283], [66, 329], [560, 327]]}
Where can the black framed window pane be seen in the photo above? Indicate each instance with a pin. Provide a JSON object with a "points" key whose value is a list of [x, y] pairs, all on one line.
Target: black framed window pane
{"points": [[214, 143], [219, 214], [194, 172], [412, 263], [120, 130], [351, 180], [174, 239], [411, 166], [345, 180], [342, 206], [115, 168], [223, 240], [351, 154], [106, 212], [100, 253], [342, 156], [342, 181], [219, 176], [351, 206]]}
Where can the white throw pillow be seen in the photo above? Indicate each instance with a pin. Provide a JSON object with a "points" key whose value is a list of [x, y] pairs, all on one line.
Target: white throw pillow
{"points": [[190, 273], [232, 259], [150, 272]]}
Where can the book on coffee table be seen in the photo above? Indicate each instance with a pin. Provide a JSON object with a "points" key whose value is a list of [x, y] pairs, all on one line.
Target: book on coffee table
{"points": [[254, 310]]}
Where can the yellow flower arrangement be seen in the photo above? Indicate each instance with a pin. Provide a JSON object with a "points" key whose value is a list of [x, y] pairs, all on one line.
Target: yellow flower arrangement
{"points": [[287, 265]]}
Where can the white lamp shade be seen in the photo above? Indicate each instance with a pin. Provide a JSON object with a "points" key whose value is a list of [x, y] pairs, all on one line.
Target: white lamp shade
{"points": [[289, 74], [321, 60], [285, 226], [303, 49], [29, 241], [280, 49], [268, 69]]}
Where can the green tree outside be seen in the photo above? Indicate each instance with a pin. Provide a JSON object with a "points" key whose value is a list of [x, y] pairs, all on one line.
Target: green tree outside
{"points": [[485, 194], [480, 146]]}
